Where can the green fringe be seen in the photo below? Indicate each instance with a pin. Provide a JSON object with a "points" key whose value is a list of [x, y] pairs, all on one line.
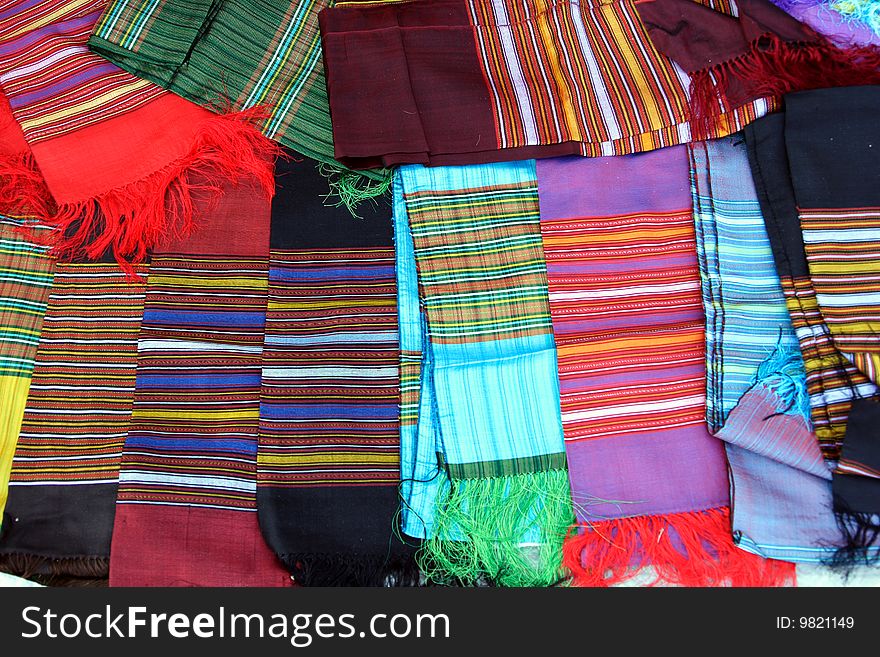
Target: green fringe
{"points": [[351, 188], [480, 526]]}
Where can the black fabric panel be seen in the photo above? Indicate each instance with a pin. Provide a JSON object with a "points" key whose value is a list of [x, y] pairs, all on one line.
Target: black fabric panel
{"points": [[302, 218], [59, 521], [765, 139], [833, 142], [862, 445]]}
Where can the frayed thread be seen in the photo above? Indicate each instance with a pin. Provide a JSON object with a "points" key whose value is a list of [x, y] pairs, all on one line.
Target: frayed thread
{"points": [[860, 533], [23, 190], [862, 11], [773, 67], [499, 531], [693, 549], [352, 570], [351, 188], [130, 220], [783, 372], [49, 571]]}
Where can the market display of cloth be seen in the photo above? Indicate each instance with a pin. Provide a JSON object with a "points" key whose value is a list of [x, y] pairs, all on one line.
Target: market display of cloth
{"points": [[116, 154], [494, 449], [756, 385], [248, 53], [819, 197], [758, 52], [451, 82], [188, 478], [329, 444], [649, 483], [62, 488]]}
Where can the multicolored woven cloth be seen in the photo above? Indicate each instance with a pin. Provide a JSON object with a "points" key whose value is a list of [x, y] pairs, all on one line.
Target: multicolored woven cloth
{"points": [[490, 440], [25, 279], [649, 483], [470, 81], [821, 213], [64, 475], [757, 399], [188, 478], [116, 154], [246, 53], [328, 460]]}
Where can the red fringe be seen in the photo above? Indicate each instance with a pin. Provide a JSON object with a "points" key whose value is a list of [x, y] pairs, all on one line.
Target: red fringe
{"points": [[686, 549], [132, 219], [22, 188], [773, 67]]}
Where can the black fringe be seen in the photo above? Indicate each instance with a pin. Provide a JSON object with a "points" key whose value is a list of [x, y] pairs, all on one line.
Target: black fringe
{"points": [[67, 571], [352, 570], [860, 532]]}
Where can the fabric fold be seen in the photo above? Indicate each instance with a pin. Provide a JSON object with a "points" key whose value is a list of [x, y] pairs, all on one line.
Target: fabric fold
{"points": [[488, 487]]}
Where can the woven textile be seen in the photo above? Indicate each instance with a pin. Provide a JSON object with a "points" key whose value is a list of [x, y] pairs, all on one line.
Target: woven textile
{"points": [[490, 439], [115, 153], [649, 483], [329, 464], [245, 53], [820, 211], [757, 399], [66, 466], [188, 477], [25, 279], [471, 81]]}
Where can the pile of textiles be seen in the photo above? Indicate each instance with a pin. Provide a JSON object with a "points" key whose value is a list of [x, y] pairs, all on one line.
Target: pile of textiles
{"points": [[438, 292]]}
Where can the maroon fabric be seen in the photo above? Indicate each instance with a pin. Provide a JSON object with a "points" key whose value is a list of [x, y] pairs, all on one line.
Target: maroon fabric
{"points": [[375, 101]]}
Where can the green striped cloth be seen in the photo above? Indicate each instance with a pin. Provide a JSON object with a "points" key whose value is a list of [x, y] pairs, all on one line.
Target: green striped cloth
{"points": [[241, 52]]}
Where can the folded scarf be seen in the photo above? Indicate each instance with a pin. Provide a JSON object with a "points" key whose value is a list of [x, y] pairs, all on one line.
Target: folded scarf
{"points": [[452, 82], [249, 52], [119, 159], [649, 483], [756, 388], [759, 51], [328, 458], [66, 466], [25, 279], [484, 471], [186, 512], [819, 197]]}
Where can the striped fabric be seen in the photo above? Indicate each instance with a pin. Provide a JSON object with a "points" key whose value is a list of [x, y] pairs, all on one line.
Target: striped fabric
{"points": [[188, 478], [25, 279], [649, 483], [54, 84], [330, 370], [843, 254], [584, 72], [192, 439], [242, 52], [76, 419], [489, 435], [757, 400]]}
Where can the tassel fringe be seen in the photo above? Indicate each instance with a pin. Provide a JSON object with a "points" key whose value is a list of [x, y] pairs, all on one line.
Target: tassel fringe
{"points": [[72, 571], [351, 570], [772, 68], [861, 536], [686, 549], [501, 531], [351, 188], [22, 188]]}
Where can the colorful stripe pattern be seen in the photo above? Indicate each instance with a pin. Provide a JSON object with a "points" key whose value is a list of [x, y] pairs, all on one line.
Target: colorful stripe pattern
{"points": [[80, 402], [193, 437], [747, 321], [584, 72], [25, 279], [54, 84], [244, 52], [843, 254], [625, 298], [330, 370], [480, 262]]}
